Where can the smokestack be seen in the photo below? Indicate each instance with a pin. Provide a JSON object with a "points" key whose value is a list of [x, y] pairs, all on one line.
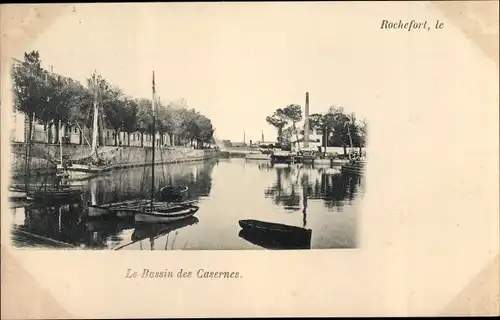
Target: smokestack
{"points": [[306, 122]]}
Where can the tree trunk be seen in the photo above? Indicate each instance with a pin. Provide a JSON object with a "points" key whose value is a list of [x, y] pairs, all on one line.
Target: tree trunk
{"points": [[128, 139], [142, 140], [345, 149], [56, 136], [28, 150], [116, 137], [48, 132]]}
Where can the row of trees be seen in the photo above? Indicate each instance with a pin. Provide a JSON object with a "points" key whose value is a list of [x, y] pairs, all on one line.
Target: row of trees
{"points": [[50, 99], [338, 127]]}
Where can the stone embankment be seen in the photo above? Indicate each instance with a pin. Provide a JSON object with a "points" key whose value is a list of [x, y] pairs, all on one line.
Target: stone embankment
{"points": [[44, 157]]}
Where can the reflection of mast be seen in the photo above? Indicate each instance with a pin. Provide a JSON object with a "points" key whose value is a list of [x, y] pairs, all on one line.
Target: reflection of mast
{"points": [[60, 219], [96, 87], [93, 192], [304, 198], [152, 242]]}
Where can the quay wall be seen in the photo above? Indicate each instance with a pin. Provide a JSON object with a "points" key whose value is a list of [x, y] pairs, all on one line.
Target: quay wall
{"points": [[46, 156]]}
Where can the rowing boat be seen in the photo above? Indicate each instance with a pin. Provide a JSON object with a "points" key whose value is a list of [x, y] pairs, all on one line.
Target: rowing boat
{"points": [[166, 214], [173, 193], [275, 235]]}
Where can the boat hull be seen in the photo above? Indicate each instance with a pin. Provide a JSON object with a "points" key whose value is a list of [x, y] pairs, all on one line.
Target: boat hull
{"points": [[16, 195], [98, 211], [262, 157], [274, 235], [82, 171], [157, 216], [281, 159], [357, 168], [54, 196]]}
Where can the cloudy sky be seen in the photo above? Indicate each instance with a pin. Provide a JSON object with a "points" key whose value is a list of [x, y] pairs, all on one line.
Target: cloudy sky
{"points": [[235, 63]]}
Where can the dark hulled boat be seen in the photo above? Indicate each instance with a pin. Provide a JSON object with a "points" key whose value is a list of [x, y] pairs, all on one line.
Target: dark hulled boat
{"points": [[173, 193], [356, 167], [272, 235]]}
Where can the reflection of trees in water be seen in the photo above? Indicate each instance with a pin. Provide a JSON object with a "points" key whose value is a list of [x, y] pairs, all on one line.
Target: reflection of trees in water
{"points": [[64, 223], [314, 183], [283, 192], [136, 182]]}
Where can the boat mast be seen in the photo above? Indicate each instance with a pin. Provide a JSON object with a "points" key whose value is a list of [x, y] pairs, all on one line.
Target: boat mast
{"points": [[153, 102], [97, 85], [60, 142]]}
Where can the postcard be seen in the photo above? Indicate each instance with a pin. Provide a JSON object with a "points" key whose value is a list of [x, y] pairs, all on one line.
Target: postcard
{"points": [[231, 159]]}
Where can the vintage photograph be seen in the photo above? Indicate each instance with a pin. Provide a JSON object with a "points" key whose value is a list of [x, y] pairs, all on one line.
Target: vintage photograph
{"points": [[139, 156], [275, 159]]}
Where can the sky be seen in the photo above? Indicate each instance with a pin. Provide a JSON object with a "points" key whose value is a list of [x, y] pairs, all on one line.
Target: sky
{"points": [[234, 62]]}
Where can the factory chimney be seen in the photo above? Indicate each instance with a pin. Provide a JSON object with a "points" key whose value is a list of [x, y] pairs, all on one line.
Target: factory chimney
{"points": [[306, 122]]}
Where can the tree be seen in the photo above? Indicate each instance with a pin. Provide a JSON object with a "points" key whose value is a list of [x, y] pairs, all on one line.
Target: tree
{"points": [[362, 134], [279, 121], [114, 109], [293, 114], [29, 87], [50, 98], [130, 124], [144, 118]]}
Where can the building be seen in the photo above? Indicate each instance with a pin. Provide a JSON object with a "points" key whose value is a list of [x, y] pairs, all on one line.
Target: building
{"points": [[315, 141]]}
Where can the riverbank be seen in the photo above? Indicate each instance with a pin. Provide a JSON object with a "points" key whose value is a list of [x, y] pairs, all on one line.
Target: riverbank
{"points": [[46, 156]]}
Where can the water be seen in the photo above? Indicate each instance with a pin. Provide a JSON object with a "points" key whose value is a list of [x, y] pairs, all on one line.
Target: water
{"points": [[226, 190]]}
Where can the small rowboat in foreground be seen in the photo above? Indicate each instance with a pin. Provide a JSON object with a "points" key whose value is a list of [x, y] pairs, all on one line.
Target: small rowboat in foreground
{"points": [[272, 235], [166, 214]]}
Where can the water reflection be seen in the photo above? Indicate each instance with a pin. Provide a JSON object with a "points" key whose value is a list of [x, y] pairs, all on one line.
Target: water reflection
{"points": [[136, 183], [68, 224], [328, 184], [152, 232], [316, 198], [276, 242]]}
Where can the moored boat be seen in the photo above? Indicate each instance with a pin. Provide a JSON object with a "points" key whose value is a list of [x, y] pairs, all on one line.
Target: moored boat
{"points": [[167, 214], [55, 195], [282, 157], [16, 195], [173, 193], [273, 235], [354, 167], [78, 171], [258, 156], [259, 225]]}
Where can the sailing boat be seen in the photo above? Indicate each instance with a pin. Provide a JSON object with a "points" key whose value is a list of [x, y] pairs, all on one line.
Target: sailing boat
{"points": [[356, 165], [148, 210], [161, 212], [43, 192], [93, 165]]}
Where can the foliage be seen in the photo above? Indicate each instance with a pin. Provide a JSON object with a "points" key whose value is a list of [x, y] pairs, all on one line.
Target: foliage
{"points": [[279, 121], [339, 128], [51, 98]]}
